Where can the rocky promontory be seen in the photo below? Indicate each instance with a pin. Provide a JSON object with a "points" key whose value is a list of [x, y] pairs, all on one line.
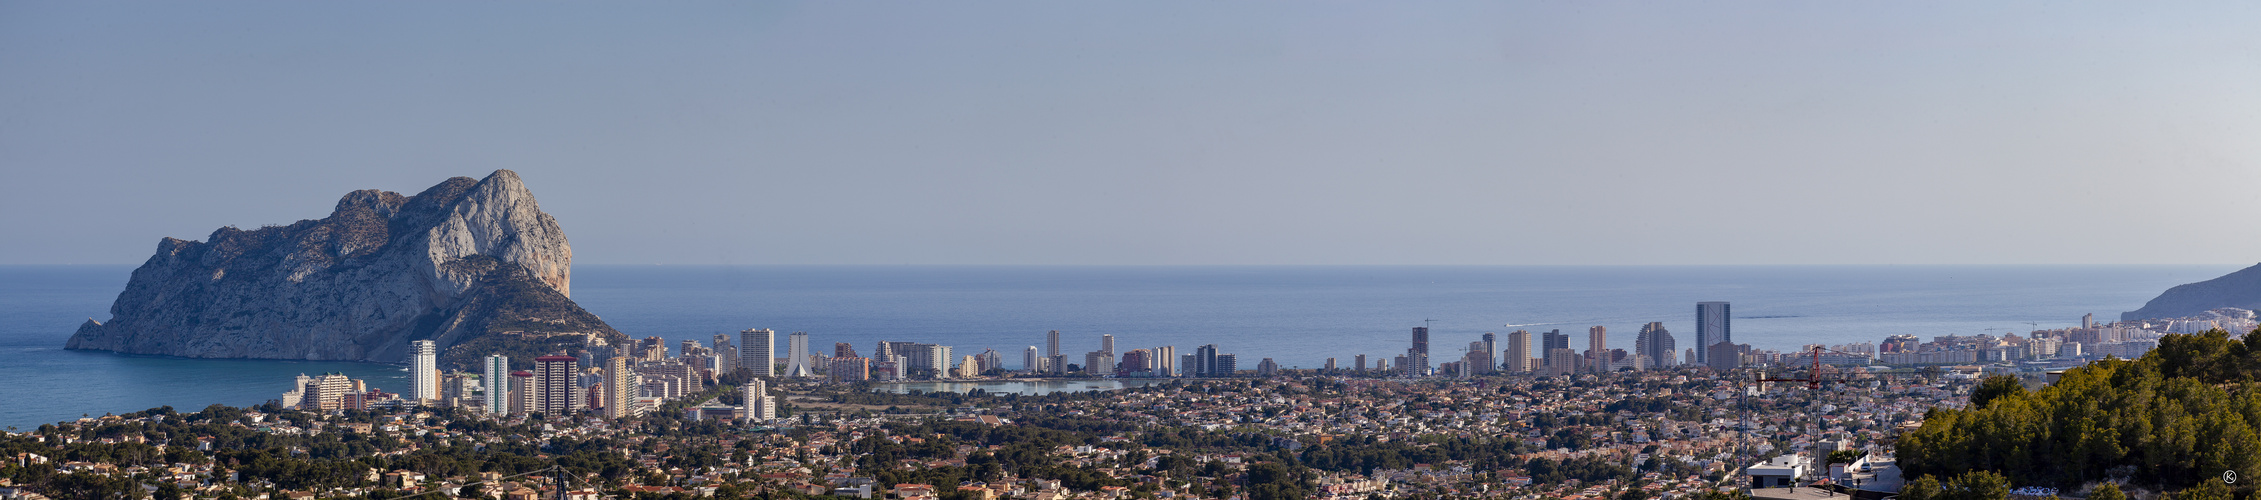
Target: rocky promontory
{"points": [[472, 264], [2241, 289]]}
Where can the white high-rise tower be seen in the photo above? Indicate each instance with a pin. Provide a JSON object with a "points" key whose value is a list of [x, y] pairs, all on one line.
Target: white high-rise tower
{"points": [[424, 370], [757, 351], [495, 383], [798, 367], [759, 407], [1166, 361]]}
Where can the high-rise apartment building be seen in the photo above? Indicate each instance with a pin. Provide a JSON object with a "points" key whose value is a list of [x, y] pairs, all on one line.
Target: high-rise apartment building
{"points": [[1330, 365], [968, 367], [1712, 322], [1227, 366], [554, 376], [621, 385], [651, 349], [1358, 363], [1549, 342], [1562, 361], [1518, 353], [1491, 350], [1724, 356], [849, 369], [1479, 357], [921, 359], [1136, 363], [424, 370], [326, 392], [1107, 344], [798, 365], [1655, 343], [989, 359], [494, 381], [1418, 356], [757, 351], [885, 352], [1204, 362], [1098, 362], [1597, 348], [758, 405], [1166, 361], [1029, 360], [524, 390], [726, 354], [1054, 361]]}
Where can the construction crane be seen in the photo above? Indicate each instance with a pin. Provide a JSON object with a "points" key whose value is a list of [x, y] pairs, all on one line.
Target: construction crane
{"points": [[1813, 380], [1813, 374]]}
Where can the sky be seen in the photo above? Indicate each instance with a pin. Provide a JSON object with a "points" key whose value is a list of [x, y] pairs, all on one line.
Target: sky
{"points": [[1162, 133]]}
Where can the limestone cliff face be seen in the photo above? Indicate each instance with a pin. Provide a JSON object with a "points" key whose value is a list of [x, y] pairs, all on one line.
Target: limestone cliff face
{"points": [[2241, 289], [463, 260]]}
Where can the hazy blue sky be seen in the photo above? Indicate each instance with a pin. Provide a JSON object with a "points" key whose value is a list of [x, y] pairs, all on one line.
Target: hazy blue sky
{"points": [[1162, 132]]}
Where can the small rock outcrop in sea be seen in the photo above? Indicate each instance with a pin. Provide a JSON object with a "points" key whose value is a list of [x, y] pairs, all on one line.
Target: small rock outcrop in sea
{"points": [[2241, 289], [472, 264]]}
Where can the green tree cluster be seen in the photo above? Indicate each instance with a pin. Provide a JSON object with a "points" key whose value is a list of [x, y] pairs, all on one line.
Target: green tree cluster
{"points": [[2177, 418]]}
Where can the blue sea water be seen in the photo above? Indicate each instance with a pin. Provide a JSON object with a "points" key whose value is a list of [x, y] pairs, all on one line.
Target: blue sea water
{"points": [[1299, 316]]}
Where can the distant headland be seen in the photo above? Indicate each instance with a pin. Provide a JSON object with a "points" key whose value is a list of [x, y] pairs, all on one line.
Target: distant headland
{"points": [[472, 264], [2241, 289]]}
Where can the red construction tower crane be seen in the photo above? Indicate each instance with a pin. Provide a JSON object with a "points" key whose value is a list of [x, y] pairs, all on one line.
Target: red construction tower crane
{"points": [[1813, 375]]}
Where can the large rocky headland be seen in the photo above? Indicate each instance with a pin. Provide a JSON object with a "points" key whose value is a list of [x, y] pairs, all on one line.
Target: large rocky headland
{"points": [[2241, 289], [472, 264]]}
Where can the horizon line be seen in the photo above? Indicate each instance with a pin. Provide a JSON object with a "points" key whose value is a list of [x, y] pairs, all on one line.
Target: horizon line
{"points": [[1288, 266]]}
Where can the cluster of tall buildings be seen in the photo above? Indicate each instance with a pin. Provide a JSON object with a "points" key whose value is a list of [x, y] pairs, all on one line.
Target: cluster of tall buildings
{"points": [[1145, 362], [615, 381], [629, 379], [1552, 352], [889, 360]]}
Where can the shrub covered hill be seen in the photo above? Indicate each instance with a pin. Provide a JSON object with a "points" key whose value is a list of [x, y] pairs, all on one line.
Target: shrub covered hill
{"points": [[472, 264], [2175, 419]]}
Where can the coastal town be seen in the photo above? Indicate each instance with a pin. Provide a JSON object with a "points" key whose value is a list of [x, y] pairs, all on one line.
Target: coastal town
{"points": [[1650, 434], [647, 424]]}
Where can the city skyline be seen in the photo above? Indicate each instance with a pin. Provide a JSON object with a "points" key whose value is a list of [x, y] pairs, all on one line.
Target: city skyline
{"points": [[1188, 251], [1654, 347]]}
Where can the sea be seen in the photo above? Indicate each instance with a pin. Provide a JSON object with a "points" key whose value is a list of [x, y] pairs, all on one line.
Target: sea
{"points": [[1297, 316]]}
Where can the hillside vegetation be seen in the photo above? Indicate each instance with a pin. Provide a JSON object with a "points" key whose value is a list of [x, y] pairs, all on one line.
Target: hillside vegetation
{"points": [[2177, 418]]}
